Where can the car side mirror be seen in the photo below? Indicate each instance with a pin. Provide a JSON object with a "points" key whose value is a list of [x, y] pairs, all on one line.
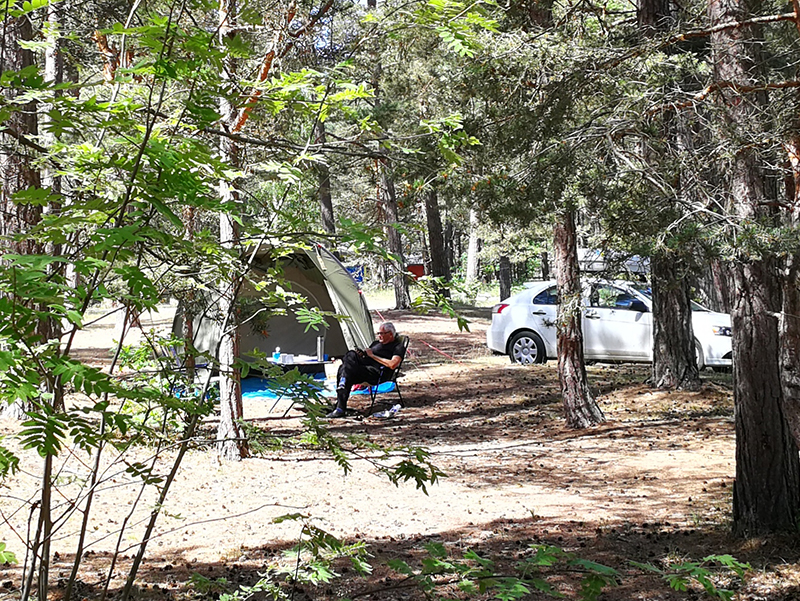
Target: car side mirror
{"points": [[637, 305]]}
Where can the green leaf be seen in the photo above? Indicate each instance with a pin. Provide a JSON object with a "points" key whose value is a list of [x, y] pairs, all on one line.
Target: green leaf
{"points": [[436, 549], [729, 562], [289, 517], [398, 565], [6, 556], [162, 208], [44, 432], [509, 589], [593, 566], [32, 196], [9, 463], [677, 582]]}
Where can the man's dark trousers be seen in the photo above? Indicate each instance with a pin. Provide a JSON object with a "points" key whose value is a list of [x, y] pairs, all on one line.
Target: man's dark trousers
{"points": [[355, 368]]}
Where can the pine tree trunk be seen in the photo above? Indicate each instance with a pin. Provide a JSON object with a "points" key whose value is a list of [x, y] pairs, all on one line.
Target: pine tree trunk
{"points": [[16, 163], [580, 408], [401, 294], [189, 304], [17, 173], [504, 276], [652, 16], [440, 267], [790, 346], [231, 441], [790, 313], [674, 363], [674, 357], [713, 284], [766, 492], [472, 248], [449, 246], [53, 72]]}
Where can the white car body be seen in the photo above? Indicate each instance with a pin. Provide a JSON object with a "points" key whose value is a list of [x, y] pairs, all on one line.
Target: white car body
{"points": [[617, 325]]}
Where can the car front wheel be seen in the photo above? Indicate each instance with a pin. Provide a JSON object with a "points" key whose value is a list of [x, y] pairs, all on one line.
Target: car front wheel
{"points": [[526, 348], [698, 355]]}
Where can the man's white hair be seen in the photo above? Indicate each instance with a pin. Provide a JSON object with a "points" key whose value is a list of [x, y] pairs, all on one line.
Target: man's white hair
{"points": [[388, 325]]}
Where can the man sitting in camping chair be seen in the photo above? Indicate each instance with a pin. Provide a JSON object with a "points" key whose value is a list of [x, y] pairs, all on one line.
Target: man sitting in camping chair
{"points": [[375, 364]]}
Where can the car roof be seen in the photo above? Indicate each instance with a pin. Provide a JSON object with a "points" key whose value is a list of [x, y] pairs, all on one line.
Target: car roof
{"points": [[534, 288]]}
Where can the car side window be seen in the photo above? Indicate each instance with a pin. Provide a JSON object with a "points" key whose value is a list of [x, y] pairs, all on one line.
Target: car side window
{"points": [[609, 297], [547, 297]]}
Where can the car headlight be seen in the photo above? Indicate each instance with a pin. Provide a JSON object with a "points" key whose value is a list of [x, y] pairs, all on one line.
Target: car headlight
{"points": [[721, 330]]}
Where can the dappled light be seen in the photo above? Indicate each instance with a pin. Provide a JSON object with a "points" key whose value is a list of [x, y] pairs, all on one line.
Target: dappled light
{"points": [[651, 484]]}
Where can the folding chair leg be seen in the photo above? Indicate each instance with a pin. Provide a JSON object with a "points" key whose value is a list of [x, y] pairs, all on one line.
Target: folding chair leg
{"points": [[373, 393], [400, 396]]}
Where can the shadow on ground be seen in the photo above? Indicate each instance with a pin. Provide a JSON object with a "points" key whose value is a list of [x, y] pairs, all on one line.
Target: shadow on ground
{"points": [[507, 544]]}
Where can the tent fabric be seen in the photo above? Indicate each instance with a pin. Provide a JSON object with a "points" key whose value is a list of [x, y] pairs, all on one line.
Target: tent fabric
{"points": [[317, 275]]}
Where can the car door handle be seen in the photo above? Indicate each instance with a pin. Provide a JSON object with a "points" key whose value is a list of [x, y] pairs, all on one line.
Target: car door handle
{"points": [[539, 312], [592, 315]]}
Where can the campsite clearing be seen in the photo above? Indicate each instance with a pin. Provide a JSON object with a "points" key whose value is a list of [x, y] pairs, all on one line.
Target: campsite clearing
{"points": [[651, 484]]}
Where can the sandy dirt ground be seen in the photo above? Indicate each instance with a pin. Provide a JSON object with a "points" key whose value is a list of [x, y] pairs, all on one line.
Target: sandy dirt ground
{"points": [[654, 480]]}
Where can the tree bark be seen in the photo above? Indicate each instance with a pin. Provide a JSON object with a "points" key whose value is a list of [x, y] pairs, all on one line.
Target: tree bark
{"points": [[790, 311], [17, 173], [580, 408], [440, 267], [324, 196], [674, 362], [16, 163], [652, 16], [545, 265], [389, 201], [766, 492], [472, 248], [504, 276], [231, 441], [790, 346], [713, 283], [449, 245], [189, 304]]}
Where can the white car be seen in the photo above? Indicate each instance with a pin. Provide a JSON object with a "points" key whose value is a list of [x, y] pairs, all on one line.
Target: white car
{"points": [[617, 325]]}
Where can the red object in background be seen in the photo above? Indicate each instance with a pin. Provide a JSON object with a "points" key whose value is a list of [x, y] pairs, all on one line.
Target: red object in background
{"points": [[417, 270]]}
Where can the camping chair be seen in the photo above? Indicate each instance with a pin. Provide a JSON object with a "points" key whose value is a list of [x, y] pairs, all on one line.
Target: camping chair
{"points": [[384, 377]]}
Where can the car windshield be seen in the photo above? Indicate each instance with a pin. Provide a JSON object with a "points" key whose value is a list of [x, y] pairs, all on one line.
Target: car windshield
{"points": [[646, 290]]}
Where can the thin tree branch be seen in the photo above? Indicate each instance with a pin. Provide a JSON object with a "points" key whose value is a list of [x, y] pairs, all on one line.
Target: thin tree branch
{"points": [[269, 59], [723, 85]]}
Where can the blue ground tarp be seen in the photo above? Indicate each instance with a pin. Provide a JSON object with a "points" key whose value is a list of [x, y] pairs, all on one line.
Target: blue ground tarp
{"points": [[256, 388]]}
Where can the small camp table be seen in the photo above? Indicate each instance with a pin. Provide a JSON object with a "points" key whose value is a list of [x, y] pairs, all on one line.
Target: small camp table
{"points": [[305, 364]]}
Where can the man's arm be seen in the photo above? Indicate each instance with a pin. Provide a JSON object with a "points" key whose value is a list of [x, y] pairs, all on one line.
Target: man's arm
{"points": [[392, 363]]}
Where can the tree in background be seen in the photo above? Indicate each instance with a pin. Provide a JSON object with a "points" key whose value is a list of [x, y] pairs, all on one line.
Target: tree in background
{"points": [[674, 363]]}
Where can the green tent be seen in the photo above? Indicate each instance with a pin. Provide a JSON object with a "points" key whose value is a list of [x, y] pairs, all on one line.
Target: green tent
{"points": [[314, 273]]}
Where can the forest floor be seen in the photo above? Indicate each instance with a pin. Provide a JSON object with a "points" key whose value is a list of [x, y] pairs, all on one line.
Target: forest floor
{"points": [[652, 484]]}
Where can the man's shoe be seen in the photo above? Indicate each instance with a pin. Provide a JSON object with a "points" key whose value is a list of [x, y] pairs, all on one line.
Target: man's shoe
{"points": [[336, 413]]}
